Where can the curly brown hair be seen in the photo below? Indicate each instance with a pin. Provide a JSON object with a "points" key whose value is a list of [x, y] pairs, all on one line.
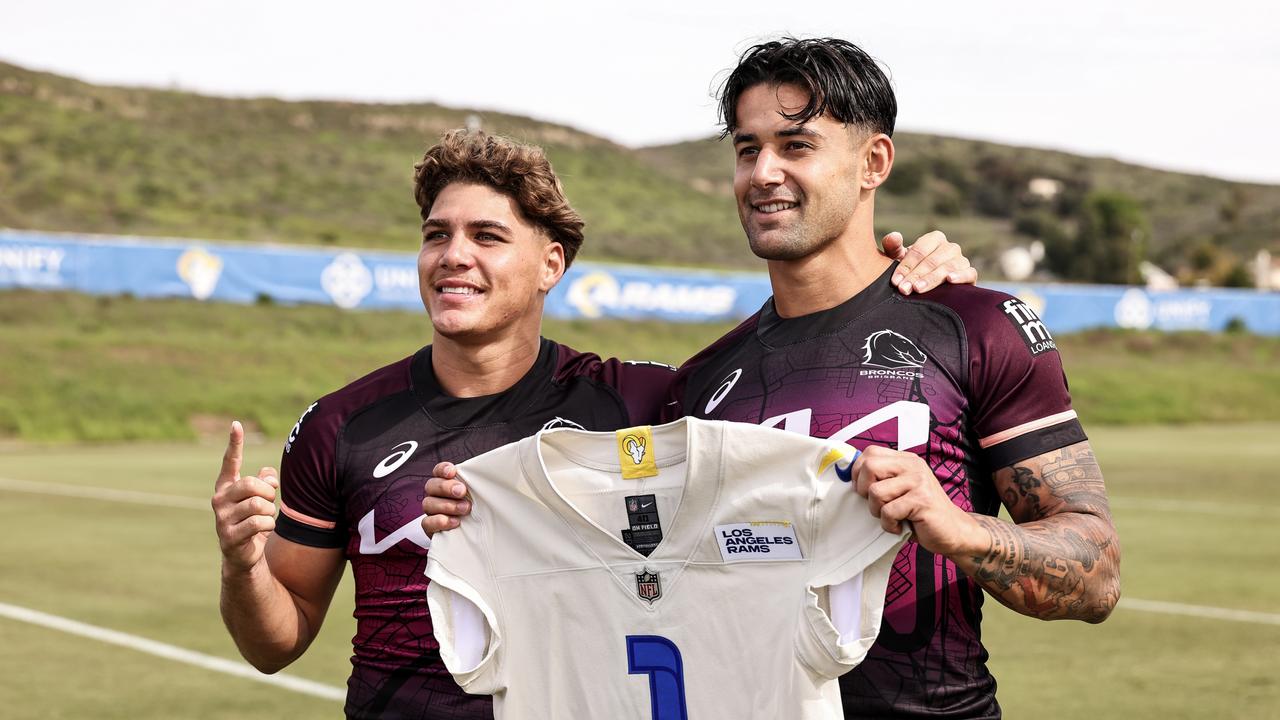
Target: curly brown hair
{"points": [[522, 172]]}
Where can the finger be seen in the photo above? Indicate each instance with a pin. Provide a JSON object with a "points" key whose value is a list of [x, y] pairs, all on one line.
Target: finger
{"points": [[270, 475], [890, 525], [885, 491], [446, 470], [932, 246], [246, 529], [432, 524], [968, 276], [247, 508], [931, 269], [893, 245], [249, 486], [232, 456], [444, 506]]}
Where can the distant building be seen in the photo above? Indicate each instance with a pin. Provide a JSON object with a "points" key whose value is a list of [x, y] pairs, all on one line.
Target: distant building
{"points": [[1044, 188], [1156, 278], [1266, 271]]}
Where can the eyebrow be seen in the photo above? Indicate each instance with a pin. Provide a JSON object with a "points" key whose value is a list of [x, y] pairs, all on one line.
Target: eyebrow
{"points": [[796, 131], [473, 224]]}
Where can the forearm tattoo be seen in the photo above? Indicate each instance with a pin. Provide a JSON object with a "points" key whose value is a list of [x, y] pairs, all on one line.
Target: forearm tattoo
{"points": [[1061, 559]]}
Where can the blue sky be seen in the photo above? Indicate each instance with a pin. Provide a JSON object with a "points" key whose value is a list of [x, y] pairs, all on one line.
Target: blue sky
{"points": [[1171, 84]]}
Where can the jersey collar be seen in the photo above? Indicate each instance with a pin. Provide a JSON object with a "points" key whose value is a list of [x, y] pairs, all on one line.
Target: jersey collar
{"points": [[454, 412], [774, 330]]}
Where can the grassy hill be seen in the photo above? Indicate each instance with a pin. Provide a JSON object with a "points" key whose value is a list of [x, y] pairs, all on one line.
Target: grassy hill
{"points": [[82, 157]]}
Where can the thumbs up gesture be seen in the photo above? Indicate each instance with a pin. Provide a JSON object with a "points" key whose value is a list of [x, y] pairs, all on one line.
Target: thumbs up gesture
{"points": [[244, 508]]}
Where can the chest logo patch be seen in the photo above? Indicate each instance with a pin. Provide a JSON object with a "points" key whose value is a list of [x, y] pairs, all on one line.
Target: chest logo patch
{"points": [[648, 585], [893, 354], [398, 457], [756, 541], [723, 390]]}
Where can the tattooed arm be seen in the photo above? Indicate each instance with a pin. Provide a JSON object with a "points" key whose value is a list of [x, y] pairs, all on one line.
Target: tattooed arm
{"points": [[1060, 560]]}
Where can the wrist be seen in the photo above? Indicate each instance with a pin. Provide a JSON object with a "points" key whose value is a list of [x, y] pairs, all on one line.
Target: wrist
{"points": [[973, 539]]}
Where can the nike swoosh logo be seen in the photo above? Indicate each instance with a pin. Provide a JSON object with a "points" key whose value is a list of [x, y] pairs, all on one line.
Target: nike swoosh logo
{"points": [[645, 505]]}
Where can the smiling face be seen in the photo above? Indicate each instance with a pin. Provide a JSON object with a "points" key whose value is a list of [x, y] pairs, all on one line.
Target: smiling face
{"points": [[484, 269], [797, 185]]}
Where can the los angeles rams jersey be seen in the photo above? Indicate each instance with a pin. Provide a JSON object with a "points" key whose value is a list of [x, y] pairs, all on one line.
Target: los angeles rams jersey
{"points": [[699, 569]]}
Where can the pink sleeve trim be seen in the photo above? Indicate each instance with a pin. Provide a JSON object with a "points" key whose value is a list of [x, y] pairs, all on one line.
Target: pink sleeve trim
{"points": [[306, 519], [1024, 428]]}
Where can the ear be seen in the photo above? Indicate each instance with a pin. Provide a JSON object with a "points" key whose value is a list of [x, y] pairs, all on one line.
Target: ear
{"points": [[553, 266], [877, 161]]}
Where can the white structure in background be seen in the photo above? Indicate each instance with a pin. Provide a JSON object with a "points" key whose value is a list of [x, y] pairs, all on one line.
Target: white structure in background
{"points": [[1044, 188], [1018, 263], [1155, 278], [474, 123], [1266, 272]]}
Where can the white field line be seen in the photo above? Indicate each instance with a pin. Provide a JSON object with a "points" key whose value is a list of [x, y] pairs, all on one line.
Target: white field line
{"points": [[1201, 507], [170, 652], [101, 493], [1200, 611]]}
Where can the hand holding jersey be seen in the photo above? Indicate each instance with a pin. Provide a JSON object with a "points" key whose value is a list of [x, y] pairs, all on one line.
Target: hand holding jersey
{"points": [[901, 490], [244, 508]]}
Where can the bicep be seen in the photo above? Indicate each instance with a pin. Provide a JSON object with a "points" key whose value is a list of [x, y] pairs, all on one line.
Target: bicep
{"points": [[310, 574], [1066, 480]]}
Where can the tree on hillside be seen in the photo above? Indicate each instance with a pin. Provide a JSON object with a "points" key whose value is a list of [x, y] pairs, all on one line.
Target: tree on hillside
{"points": [[1110, 241]]}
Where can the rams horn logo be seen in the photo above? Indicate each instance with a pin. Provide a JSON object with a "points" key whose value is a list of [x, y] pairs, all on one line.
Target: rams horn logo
{"points": [[635, 448], [888, 349]]}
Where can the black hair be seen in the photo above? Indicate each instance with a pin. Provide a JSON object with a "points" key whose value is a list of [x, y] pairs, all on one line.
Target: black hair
{"points": [[844, 82]]}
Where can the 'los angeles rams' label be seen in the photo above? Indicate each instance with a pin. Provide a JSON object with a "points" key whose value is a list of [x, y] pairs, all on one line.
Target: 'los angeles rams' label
{"points": [[772, 540]]}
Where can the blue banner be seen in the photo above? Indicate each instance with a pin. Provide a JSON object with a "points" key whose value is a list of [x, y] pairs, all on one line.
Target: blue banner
{"points": [[382, 280]]}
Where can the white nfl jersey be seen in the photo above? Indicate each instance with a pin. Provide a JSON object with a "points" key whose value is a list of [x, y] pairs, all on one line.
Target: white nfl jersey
{"points": [[699, 569]]}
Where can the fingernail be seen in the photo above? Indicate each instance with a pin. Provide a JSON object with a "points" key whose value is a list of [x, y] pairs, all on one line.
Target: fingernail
{"points": [[905, 287], [464, 507], [458, 491], [897, 278], [453, 522], [920, 285]]}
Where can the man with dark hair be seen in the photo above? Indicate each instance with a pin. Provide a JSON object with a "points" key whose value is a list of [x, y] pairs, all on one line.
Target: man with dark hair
{"points": [[958, 406], [497, 235], [957, 395]]}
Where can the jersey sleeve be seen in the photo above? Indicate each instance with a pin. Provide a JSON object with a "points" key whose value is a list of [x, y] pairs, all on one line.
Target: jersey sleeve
{"points": [[1018, 390], [850, 559], [462, 600], [310, 509]]}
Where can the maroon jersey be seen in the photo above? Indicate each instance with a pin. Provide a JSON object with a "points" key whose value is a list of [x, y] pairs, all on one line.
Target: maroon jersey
{"points": [[352, 476], [967, 378]]}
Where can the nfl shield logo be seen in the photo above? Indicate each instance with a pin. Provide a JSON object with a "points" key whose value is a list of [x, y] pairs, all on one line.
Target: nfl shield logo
{"points": [[633, 505], [648, 587]]}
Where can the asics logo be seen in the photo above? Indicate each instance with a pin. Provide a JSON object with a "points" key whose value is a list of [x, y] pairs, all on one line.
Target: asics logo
{"points": [[723, 390], [397, 458]]}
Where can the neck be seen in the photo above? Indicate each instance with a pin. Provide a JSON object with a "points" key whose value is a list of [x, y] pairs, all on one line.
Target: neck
{"points": [[826, 278], [471, 369]]}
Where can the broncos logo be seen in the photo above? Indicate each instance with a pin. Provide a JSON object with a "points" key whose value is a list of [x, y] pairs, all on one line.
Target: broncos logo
{"points": [[888, 349]]}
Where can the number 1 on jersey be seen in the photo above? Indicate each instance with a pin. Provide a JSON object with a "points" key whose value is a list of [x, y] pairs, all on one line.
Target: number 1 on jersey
{"points": [[659, 658]]}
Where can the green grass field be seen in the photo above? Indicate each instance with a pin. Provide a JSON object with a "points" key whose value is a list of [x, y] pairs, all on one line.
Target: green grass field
{"points": [[1195, 508]]}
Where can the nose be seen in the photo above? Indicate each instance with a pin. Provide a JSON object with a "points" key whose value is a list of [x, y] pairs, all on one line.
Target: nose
{"points": [[767, 171], [456, 254]]}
